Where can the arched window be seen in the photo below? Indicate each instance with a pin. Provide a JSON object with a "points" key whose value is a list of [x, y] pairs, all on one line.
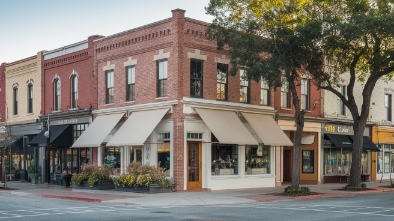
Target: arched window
{"points": [[15, 100], [74, 91], [30, 98], [57, 94]]}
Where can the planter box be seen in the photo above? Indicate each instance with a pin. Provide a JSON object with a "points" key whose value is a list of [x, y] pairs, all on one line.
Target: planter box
{"points": [[100, 185], [153, 188]]}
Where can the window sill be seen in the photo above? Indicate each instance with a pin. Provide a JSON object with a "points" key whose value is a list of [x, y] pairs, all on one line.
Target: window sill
{"points": [[159, 98], [285, 108], [130, 102], [28, 114], [109, 104]]}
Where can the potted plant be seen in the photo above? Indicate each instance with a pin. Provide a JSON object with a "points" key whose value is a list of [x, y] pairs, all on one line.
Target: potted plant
{"points": [[34, 172]]}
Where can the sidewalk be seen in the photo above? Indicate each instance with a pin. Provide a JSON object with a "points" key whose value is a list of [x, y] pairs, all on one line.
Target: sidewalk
{"points": [[223, 197]]}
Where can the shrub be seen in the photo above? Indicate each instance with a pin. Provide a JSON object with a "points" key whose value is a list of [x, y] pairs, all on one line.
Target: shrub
{"points": [[302, 191], [143, 175], [92, 173]]}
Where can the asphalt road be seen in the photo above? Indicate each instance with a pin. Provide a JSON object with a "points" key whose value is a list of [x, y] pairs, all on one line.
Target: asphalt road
{"points": [[369, 207]]}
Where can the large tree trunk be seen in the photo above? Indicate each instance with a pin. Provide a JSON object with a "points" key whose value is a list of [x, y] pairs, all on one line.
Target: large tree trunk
{"points": [[299, 122], [355, 171]]}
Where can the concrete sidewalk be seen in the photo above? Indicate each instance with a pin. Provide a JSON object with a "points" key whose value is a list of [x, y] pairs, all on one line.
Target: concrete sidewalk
{"points": [[223, 197]]}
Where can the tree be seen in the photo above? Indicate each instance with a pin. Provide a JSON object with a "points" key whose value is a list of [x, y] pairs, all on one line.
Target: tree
{"points": [[274, 41], [358, 41], [319, 38]]}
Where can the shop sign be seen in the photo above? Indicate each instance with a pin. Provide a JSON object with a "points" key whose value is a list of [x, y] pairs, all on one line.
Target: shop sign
{"points": [[338, 129], [69, 121], [386, 137]]}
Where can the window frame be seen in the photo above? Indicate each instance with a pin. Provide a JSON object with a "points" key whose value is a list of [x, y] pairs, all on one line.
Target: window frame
{"points": [[311, 161], [109, 86], [130, 83], [162, 78], [244, 83], [193, 81], [264, 87], [221, 82], [284, 94], [15, 106], [305, 94], [56, 94], [341, 105], [30, 98], [388, 106], [74, 91]]}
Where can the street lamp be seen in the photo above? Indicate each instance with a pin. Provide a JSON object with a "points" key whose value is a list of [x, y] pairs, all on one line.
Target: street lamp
{"points": [[47, 136]]}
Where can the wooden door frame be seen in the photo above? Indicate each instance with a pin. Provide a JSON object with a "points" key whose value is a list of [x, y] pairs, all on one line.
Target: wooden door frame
{"points": [[194, 185]]}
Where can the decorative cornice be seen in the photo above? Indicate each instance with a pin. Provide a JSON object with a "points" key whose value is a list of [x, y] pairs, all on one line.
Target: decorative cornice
{"points": [[140, 107]]}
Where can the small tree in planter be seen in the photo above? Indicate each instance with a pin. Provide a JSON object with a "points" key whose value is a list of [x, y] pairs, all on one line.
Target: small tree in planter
{"points": [[34, 172]]}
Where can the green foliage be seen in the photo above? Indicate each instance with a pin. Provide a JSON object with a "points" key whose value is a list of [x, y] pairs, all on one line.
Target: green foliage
{"points": [[297, 192], [92, 173], [34, 168], [143, 175]]}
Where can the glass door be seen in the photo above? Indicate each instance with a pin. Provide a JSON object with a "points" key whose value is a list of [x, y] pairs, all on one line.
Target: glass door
{"points": [[194, 165]]}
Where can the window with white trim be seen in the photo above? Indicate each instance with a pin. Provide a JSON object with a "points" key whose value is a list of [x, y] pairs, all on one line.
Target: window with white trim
{"points": [[285, 94], [244, 87], [162, 75], [130, 90], [57, 94], [109, 90], [305, 94]]}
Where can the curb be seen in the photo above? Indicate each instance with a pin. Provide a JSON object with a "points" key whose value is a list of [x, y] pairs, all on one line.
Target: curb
{"points": [[72, 198]]}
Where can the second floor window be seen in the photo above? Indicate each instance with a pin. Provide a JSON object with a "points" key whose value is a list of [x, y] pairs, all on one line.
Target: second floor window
{"points": [[30, 98], [130, 88], [196, 78], [285, 94], [341, 105], [265, 93], [74, 91], [162, 75], [109, 88], [305, 94], [387, 106], [57, 95], [221, 85], [16, 101], [244, 87]]}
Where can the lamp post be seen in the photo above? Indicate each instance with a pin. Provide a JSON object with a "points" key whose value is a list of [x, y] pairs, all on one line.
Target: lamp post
{"points": [[47, 164]]}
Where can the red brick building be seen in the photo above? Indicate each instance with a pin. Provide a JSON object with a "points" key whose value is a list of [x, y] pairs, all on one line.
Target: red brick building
{"points": [[2, 92], [69, 94], [165, 97]]}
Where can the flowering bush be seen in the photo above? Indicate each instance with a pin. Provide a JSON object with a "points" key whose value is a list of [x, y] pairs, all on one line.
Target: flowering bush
{"points": [[142, 176], [92, 173]]}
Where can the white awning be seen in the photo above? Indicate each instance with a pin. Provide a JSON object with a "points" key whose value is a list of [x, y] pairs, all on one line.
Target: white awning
{"points": [[267, 129], [97, 131], [226, 126], [137, 128]]}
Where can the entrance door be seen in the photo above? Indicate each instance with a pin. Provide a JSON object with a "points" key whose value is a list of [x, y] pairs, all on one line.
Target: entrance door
{"points": [[194, 165], [286, 166]]}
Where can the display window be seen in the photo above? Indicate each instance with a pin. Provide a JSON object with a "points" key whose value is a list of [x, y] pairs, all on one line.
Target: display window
{"points": [[224, 159], [257, 160]]}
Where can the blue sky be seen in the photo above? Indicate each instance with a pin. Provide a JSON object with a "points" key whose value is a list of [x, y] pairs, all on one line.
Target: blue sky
{"points": [[30, 26]]}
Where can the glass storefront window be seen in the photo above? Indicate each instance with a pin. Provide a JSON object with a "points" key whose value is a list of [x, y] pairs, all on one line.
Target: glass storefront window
{"points": [[379, 159], [257, 160], [224, 159], [112, 157], [136, 154], [337, 161], [308, 161], [163, 155]]}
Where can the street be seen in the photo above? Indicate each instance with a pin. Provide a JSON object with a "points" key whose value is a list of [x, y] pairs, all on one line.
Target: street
{"points": [[357, 207]]}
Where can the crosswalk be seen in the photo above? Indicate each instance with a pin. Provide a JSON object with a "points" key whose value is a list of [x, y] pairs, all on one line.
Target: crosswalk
{"points": [[64, 211]]}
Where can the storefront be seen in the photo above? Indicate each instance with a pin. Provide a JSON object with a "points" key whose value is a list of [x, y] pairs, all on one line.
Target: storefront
{"points": [[337, 156], [230, 147], [310, 153], [130, 135], [64, 129], [383, 137]]}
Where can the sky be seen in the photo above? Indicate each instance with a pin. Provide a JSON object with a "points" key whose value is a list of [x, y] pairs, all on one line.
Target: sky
{"points": [[30, 26]]}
